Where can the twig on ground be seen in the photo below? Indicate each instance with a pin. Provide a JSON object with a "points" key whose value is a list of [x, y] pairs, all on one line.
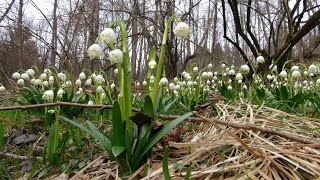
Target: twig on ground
{"points": [[245, 126]]}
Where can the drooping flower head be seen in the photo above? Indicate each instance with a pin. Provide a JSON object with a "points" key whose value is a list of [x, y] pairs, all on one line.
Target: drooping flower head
{"points": [[2, 88], [94, 51], [108, 36], [16, 75], [260, 59], [182, 30], [48, 96], [30, 72], [152, 64], [116, 56]]}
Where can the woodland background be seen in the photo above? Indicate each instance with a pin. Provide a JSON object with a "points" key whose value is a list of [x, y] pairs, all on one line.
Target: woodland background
{"points": [[228, 31]]}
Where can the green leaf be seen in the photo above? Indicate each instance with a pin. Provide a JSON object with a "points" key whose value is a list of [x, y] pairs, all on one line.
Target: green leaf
{"points": [[165, 165], [33, 170], [148, 107], [117, 150], [187, 177], [118, 129], [162, 133], [1, 134], [104, 141], [167, 107], [177, 166]]}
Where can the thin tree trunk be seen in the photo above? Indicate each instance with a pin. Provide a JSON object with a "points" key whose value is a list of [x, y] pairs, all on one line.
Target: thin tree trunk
{"points": [[54, 35]]}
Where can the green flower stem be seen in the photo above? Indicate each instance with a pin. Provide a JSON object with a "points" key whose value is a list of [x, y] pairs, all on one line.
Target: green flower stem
{"points": [[161, 60], [126, 83]]}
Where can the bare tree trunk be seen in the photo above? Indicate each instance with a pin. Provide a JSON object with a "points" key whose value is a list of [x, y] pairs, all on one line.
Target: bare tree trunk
{"points": [[20, 34], [94, 29], [54, 35], [134, 23]]}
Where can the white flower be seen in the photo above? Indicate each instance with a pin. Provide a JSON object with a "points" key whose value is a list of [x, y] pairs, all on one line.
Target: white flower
{"points": [[164, 81], [20, 82], [223, 65], [204, 75], [295, 68], [48, 96], [229, 88], [296, 74], [30, 72], [116, 71], [152, 64], [138, 84], [88, 82], [311, 74], [62, 77], [182, 30], [60, 93], [68, 83], [78, 82], [43, 76], [232, 66], [93, 76], [245, 87], [239, 76], [283, 74], [47, 71], [99, 79], [210, 65], [177, 87], [25, 76], [318, 82], [176, 79], [260, 59], [227, 69], [38, 82], [210, 75], [16, 75], [224, 74], [116, 56], [45, 83], [80, 90], [108, 36], [90, 102], [51, 79], [313, 69], [232, 72], [269, 77], [112, 86], [274, 69], [144, 83], [151, 77], [245, 68], [305, 73], [82, 76], [208, 82], [215, 78], [195, 69], [94, 51], [100, 89], [171, 86], [2, 88]]}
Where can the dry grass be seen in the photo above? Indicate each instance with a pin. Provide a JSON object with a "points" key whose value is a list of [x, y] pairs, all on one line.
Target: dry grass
{"points": [[214, 154]]}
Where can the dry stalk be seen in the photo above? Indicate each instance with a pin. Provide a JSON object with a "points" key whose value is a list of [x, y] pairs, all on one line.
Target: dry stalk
{"points": [[245, 126]]}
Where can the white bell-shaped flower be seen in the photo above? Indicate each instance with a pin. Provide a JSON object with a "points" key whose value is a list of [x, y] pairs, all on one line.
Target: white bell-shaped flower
{"points": [[182, 30], [116, 56], [94, 51], [108, 36], [48, 96]]}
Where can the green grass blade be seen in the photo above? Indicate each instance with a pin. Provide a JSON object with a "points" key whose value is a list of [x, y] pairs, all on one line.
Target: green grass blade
{"points": [[165, 164], [2, 128]]}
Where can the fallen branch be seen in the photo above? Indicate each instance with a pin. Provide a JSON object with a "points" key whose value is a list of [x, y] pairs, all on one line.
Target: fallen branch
{"points": [[245, 126], [18, 156]]}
